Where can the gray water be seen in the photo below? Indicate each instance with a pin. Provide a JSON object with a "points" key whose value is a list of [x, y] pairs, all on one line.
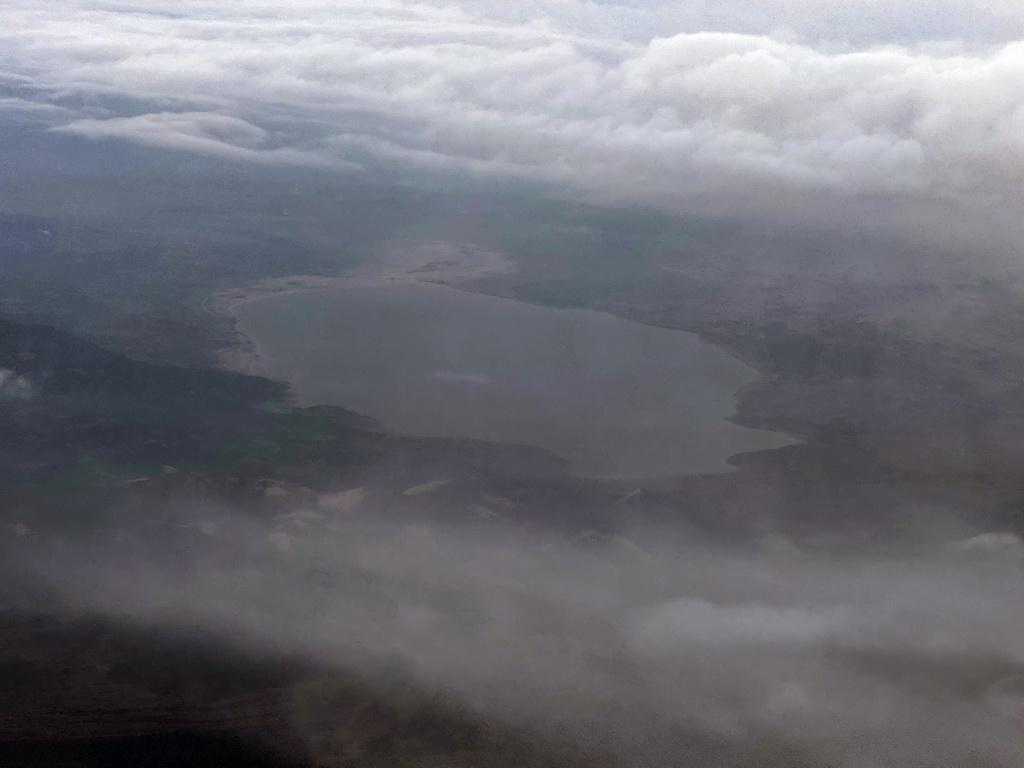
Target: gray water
{"points": [[616, 398]]}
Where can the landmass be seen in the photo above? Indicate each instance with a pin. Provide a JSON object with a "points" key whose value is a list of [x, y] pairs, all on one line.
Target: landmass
{"points": [[910, 438]]}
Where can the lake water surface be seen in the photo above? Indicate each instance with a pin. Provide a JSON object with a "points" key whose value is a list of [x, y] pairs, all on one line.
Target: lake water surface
{"points": [[616, 398]]}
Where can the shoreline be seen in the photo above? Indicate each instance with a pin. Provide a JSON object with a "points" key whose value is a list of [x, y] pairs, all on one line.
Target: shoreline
{"points": [[241, 355], [245, 356], [398, 261]]}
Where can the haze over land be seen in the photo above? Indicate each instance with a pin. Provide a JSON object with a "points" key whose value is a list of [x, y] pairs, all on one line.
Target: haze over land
{"points": [[546, 247]]}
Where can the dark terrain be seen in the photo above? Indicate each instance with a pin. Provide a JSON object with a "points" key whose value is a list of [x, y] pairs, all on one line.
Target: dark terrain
{"points": [[105, 449]]}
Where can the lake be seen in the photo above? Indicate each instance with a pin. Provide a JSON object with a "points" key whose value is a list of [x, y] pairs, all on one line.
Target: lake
{"points": [[616, 398]]}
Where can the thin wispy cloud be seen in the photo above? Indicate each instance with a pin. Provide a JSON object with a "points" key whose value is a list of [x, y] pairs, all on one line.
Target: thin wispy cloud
{"points": [[842, 661], [200, 133]]}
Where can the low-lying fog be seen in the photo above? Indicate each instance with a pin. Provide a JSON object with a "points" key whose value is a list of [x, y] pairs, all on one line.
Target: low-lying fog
{"points": [[616, 398], [642, 654]]}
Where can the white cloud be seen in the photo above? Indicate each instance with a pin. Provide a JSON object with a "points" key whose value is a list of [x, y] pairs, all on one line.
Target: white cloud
{"points": [[515, 92], [677, 624], [16, 104], [200, 133], [13, 386]]}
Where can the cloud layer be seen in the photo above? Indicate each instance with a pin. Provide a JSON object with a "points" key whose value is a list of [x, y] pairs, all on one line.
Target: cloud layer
{"points": [[842, 661], [518, 93]]}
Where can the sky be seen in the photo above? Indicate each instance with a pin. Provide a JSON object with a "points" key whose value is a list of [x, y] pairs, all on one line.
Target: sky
{"points": [[757, 106]]}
